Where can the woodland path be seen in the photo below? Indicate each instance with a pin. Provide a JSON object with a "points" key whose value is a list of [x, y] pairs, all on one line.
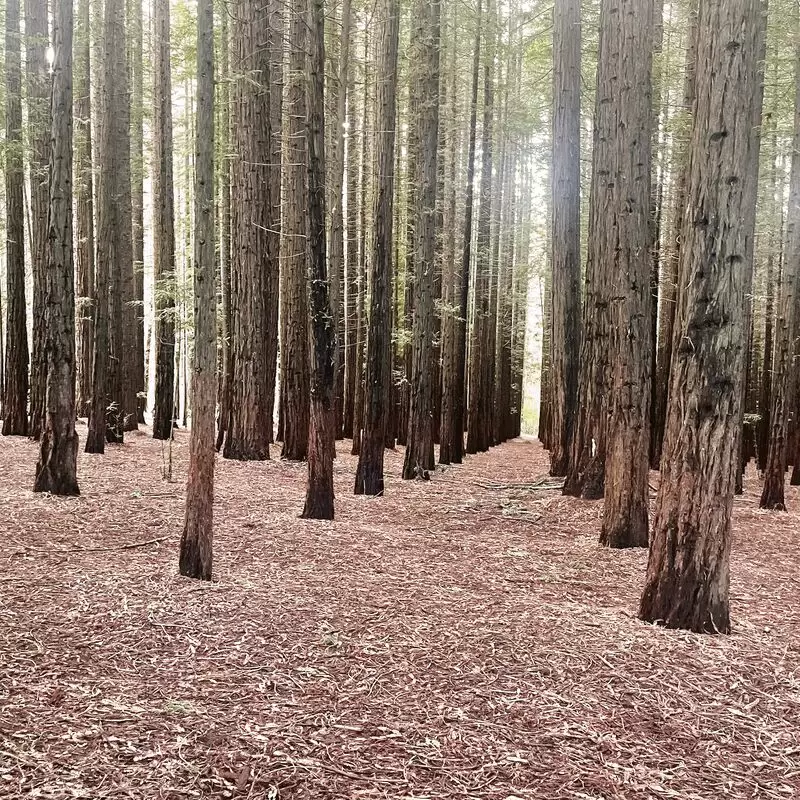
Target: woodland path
{"points": [[446, 641]]}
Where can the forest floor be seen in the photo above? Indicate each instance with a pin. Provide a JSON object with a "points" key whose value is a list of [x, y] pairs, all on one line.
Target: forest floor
{"points": [[464, 638]]}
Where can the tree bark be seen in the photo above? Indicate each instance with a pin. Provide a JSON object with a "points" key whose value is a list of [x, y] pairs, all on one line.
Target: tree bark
{"points": [[687, 584], [419, 456], [671, 258], [295, 356], [566, 236], [84, 201], [772, 496], [249, 428], [163, 228], [478, 406], [458, 387], [137, 374], [624, 233], [56, 471], [337, 252], [15, 388], [196, 542], [369, 474], [106, 377], [225, 255], [321, 437], [38, 97]]}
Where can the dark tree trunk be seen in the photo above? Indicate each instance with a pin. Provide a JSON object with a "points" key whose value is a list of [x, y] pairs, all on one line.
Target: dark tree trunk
{"points": [[771, 280], [566, 235], [249, 428], [367, 153], [275, 44], [337, 252], [84, 201], [626, 224], [321, 444], [163, 229], [450, 278], [226, 332], [772, 496], [38, 85], [419, 456], [56, 471], [137, 379], [669, 286], [369, 474], [458, 387], [478, 407], [687, 583], [545, 381], [586, 470], [351, 265], [106, 377], [295, 357], [196, 542], [15, 388]]}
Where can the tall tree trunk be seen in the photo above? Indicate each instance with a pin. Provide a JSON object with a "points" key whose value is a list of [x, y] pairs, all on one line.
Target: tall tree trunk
{"points": [[450, 279], [419, 456], [367, 162], [137, 377], [225, 255], [275, 45], [369, 474], [586, 470], [15, 388], [687, 583], [772, 496], [295, 357], [106, 383], [669, 286], [38, 85], [337, 265], [196, 542], [249, 428], [772, 280], [478, 409], [84, 201], [566, 236], [351, 280], [321, 444], [56, 471], [626, 223], [163, 228], [458, 387]]}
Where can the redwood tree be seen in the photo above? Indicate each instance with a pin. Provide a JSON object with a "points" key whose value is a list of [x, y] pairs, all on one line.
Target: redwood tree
{"points": [[369, 474], [295, 383], [566, 235], [321, 437], [687, 584], [84, 202], [38, 85], [249, 426], [424, 56], [15, 388], [772, 496], [56, 471], [163, 228], [624, 230], [196, 542]]}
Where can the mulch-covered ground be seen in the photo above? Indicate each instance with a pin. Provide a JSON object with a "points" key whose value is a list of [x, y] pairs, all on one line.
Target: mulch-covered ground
{"points": [[463, 638]]}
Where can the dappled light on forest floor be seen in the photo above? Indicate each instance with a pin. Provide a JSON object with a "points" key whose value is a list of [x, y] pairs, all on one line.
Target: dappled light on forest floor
{"points": [[449, 640]]}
